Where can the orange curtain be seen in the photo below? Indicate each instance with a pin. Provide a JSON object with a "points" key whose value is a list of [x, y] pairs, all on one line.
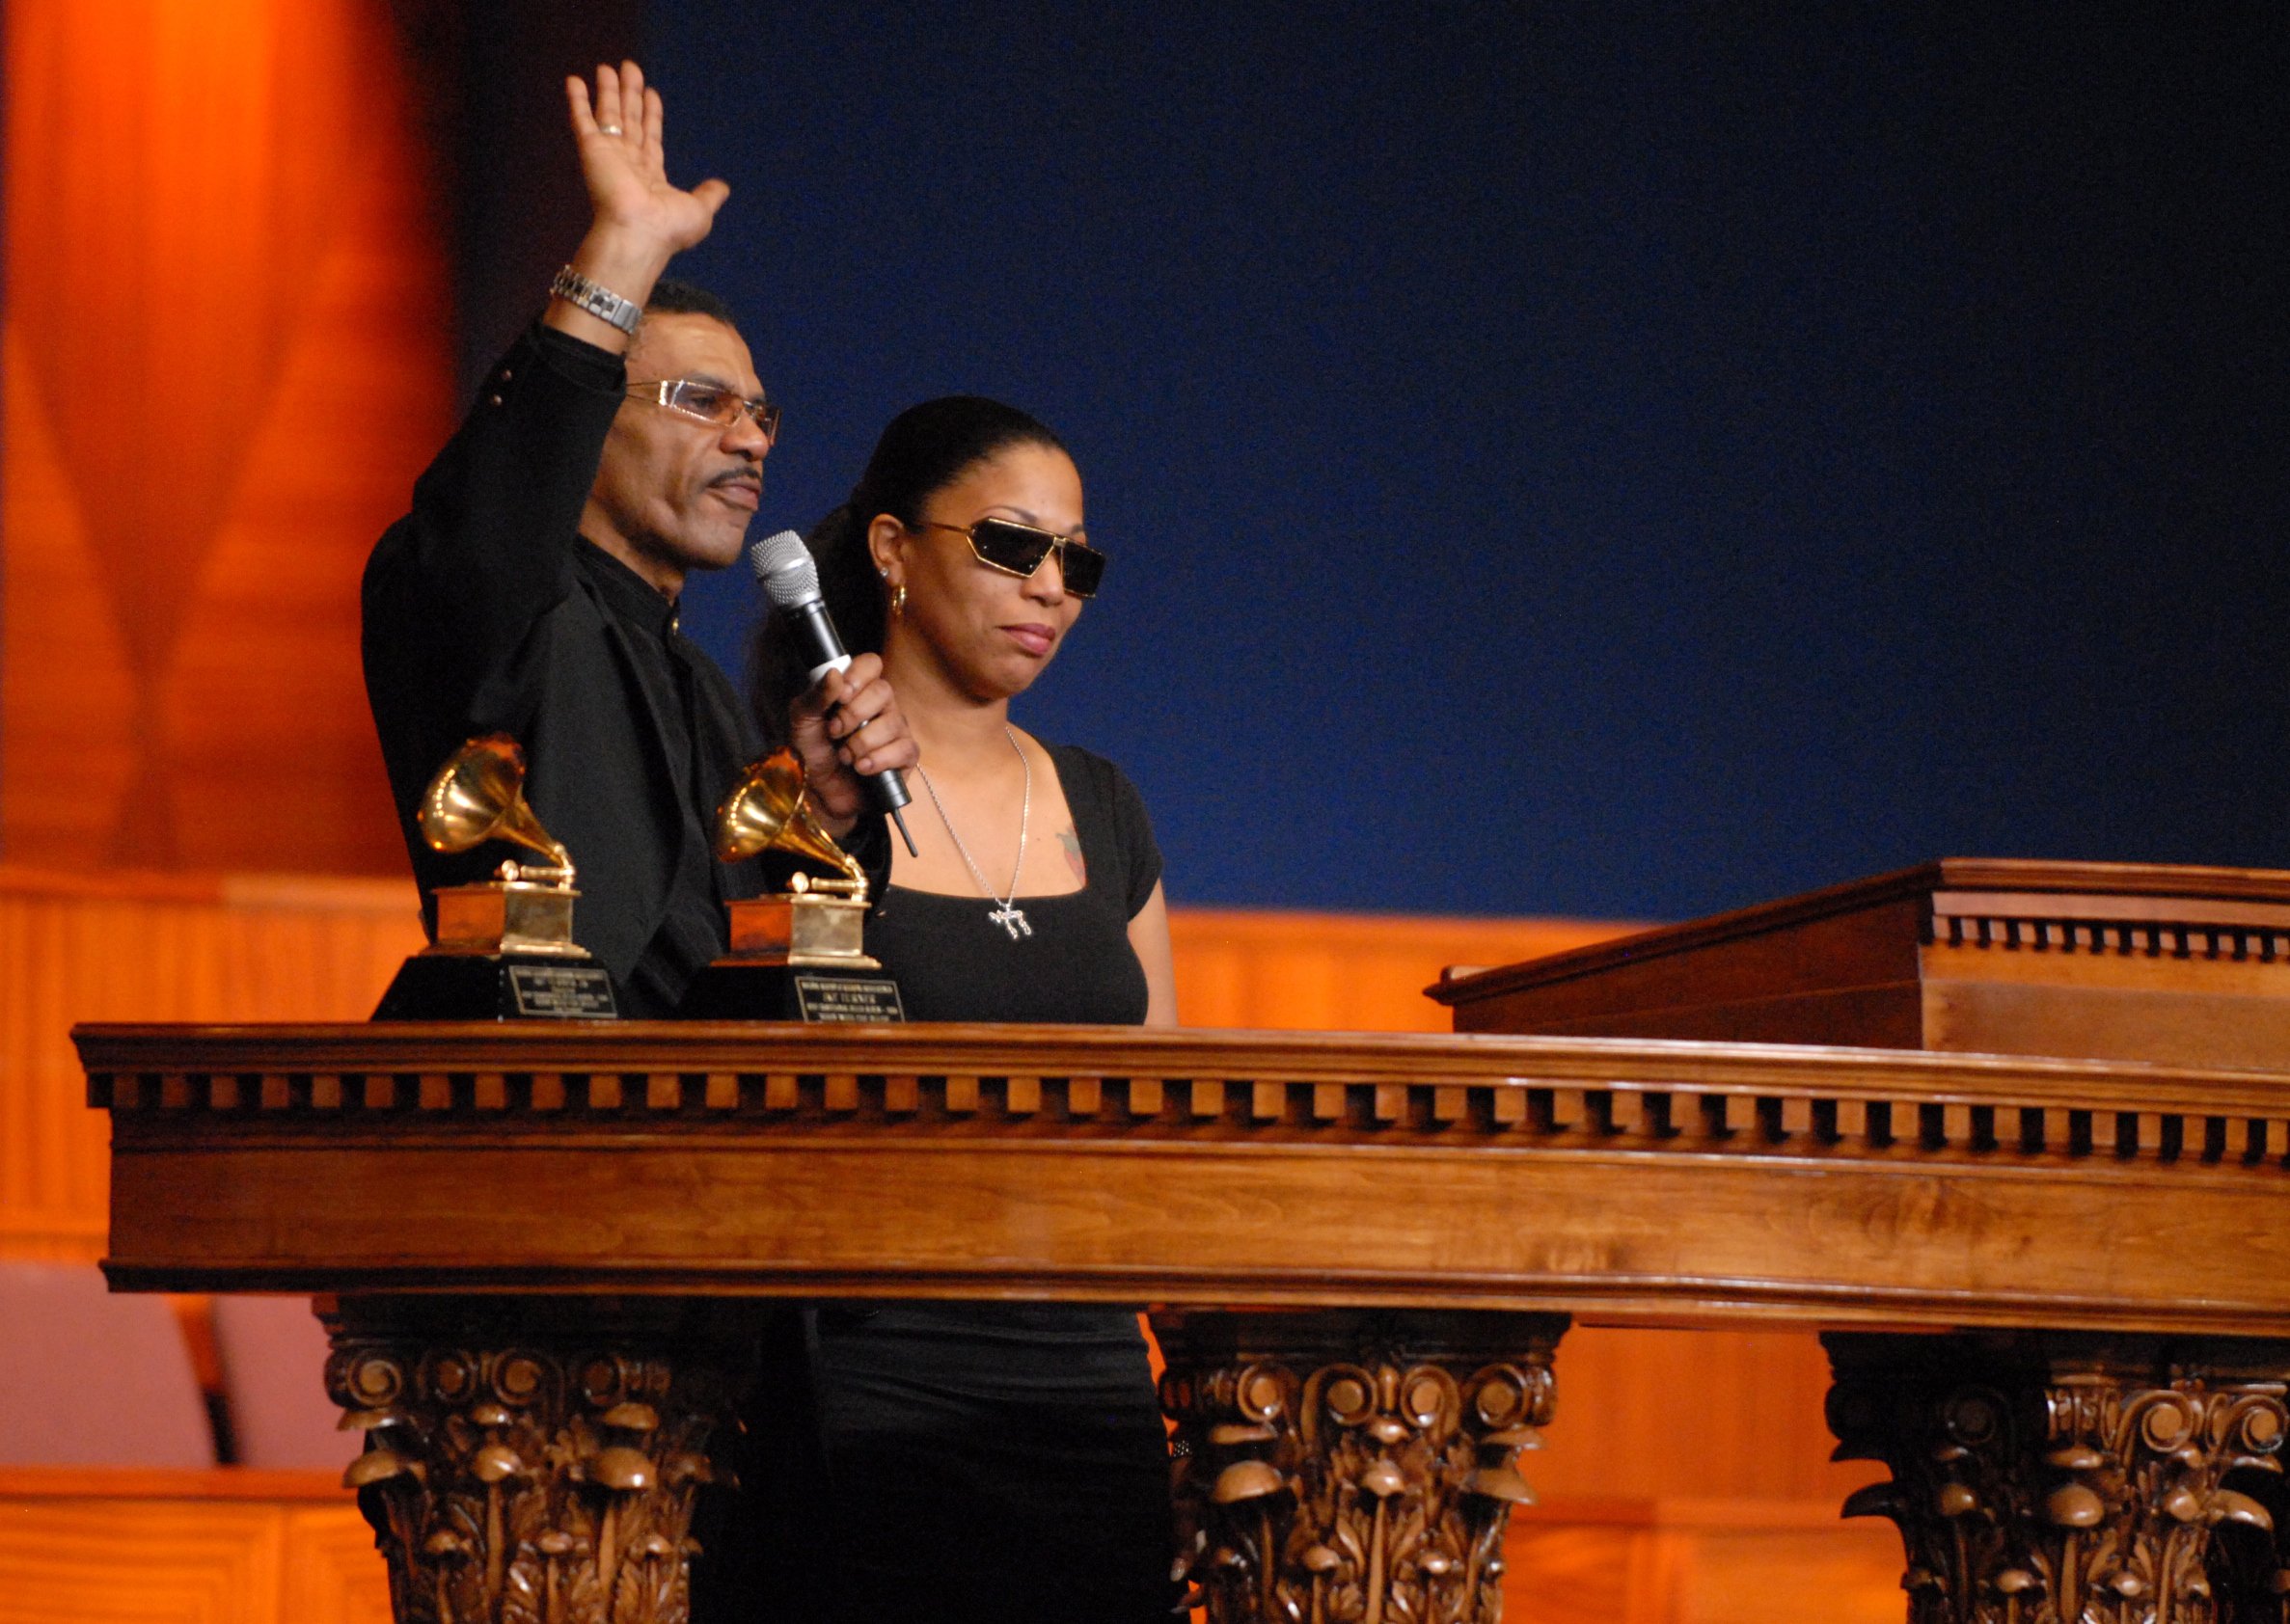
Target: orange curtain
{"points": [[225, 352]]}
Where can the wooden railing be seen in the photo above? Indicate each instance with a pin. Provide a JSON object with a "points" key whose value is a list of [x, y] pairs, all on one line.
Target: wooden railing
{"points": [[563, 1185], [263, 948], [1630, 1178], [1619, 1543]]}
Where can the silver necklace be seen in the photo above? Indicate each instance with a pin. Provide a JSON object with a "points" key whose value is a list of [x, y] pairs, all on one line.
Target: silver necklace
{"points": [[1005, 913]]}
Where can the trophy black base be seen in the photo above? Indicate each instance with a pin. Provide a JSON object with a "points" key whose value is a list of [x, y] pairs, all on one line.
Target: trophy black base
{"points": [[499, 987], [742, 989]]}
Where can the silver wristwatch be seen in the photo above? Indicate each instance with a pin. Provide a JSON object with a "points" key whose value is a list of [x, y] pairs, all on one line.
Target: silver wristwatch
{"points": [[602, 303]]}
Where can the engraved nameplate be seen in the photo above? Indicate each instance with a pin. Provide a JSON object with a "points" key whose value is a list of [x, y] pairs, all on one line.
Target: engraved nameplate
{"points": [[561, 991], [848, 998]]}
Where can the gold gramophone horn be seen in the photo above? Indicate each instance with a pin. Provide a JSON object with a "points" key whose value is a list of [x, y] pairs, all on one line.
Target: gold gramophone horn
{"points": [[478, 796], [766, 811]]}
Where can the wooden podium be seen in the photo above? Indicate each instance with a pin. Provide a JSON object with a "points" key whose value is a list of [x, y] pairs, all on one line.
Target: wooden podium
{"points": [[2058, 1289], [2108, 961]]}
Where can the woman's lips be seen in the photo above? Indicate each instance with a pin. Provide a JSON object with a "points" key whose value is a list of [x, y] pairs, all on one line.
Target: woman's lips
{"points": [[1036, 640]]}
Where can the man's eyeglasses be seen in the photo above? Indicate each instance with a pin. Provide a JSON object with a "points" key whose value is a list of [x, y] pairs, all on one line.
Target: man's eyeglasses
{"points": [[1016, 549], [710, 403]]}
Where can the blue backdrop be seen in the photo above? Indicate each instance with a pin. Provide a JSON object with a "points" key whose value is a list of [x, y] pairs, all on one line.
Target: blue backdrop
{"points": [[1580, 458]]}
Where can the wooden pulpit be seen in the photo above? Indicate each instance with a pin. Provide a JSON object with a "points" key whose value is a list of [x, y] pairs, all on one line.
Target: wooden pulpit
{"points": [[2057, 1289], [2108, 961]]}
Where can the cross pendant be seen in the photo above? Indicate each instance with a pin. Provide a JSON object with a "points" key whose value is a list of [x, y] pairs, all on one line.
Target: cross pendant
{"points": [[1011, 919]]}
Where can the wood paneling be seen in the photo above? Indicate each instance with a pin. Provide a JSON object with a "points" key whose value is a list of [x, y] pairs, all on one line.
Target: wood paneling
{"points": [[1344, 972], [333, 1576], [1698, 1562], [168, 947], [278, 1548], [1657, 1415], [225, 354], [184, 1548]]}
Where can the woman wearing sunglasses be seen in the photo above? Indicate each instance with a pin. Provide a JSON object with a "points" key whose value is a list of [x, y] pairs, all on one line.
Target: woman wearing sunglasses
{"points": [[1000, 1461]]}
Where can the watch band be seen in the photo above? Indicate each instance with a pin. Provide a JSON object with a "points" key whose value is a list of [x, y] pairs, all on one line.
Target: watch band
{"points": [[600, 302]]}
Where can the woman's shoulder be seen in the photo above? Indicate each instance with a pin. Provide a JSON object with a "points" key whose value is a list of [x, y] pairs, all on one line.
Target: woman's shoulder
{"points": [[1097, 775], [1074, 757], [1108, 810]]}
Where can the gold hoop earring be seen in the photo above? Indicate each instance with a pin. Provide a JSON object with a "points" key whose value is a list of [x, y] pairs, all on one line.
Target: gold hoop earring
{"points": [[898, 602]]}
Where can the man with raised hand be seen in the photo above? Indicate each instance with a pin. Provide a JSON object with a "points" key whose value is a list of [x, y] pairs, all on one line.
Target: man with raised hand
{"points": [[533, 590]]}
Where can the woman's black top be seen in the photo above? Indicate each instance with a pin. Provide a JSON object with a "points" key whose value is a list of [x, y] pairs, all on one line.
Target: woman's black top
{"points": [[1004, 1461], [954, 964]]}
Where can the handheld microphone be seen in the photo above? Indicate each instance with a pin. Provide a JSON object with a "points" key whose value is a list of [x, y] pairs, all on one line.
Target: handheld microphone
{"points": [[790, 579]]}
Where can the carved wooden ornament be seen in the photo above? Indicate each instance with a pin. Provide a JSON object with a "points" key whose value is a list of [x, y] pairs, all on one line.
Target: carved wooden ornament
{"points": [[1353, 1467], [2055, 1480], [528, 1478]]}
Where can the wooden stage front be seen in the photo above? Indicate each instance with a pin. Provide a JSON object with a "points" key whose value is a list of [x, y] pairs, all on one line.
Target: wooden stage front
{"points": [[2118, 1227], [1653, 1512]]}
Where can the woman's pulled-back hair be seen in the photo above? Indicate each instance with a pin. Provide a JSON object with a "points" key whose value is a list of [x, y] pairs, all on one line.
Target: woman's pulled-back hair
{"points": [[925, 449]]}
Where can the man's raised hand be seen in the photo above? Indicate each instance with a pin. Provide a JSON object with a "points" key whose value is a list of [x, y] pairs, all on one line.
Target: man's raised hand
{"points": [[640, 219]]}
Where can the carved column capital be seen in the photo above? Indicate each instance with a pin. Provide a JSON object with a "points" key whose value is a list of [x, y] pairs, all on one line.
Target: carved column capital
{"points": [[535, 1461], [2046, 1477], [1353, 1466]]}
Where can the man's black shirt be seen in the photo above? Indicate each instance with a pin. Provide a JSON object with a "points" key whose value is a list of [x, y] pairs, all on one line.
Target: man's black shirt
{"points": [[486, 613]]}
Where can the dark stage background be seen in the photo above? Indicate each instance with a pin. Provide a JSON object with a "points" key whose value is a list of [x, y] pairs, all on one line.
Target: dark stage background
{"points": [[1572, 458]]}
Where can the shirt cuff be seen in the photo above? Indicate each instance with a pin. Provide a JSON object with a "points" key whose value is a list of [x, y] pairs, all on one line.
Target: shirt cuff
{"points": [[579, 362], [870, 844]]}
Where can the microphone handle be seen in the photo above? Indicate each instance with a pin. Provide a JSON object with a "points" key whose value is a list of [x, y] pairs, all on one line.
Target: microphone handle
{"points": [[816, 635]]}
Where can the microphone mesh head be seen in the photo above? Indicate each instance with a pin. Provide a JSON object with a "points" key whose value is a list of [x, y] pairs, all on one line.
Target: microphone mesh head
{"points": [[790, 576]]}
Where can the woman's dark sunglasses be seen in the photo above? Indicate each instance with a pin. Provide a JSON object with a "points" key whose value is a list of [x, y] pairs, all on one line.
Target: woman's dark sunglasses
{"points": [[1018, 549]]}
